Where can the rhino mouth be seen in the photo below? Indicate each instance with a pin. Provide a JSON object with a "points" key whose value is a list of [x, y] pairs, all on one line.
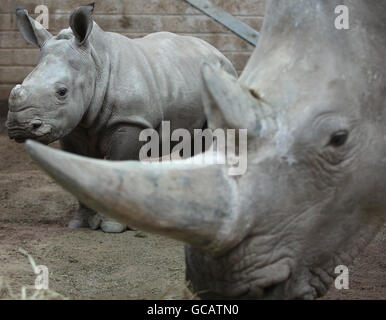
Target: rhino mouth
{"points": [[20, 136], [20, 140]]}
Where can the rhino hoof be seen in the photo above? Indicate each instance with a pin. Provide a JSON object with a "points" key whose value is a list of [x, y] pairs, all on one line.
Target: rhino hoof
{"points": [[111, 226], [95, 221], [77, 223], [81, 219]]}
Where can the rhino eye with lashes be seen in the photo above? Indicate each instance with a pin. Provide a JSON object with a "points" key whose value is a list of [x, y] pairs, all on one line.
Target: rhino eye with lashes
{"points": [[339, 138]]}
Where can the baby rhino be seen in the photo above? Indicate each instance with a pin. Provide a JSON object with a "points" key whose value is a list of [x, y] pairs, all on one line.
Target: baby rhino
{"points": [[95, 91]]}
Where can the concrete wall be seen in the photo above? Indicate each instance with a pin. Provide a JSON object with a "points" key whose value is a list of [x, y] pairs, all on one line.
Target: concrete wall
{"points": [[133, 18]]}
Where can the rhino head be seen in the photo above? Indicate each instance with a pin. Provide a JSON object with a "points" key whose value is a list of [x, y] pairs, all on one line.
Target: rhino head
{"points": [[54, 97], [313, 100]]}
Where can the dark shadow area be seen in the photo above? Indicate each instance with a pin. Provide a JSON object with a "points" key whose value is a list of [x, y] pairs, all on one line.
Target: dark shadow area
{"points": [[3, 115]]}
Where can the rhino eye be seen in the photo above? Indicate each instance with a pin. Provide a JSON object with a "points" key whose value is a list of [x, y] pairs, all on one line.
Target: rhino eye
{"points": [[62, 92], [339, 138]]}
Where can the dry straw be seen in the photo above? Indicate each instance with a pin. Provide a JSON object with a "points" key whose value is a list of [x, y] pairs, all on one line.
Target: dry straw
{"points": [[27, 292]]}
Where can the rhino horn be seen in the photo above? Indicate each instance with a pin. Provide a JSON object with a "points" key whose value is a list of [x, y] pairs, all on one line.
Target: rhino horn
{"points": [[180, 199], [230, 104]]}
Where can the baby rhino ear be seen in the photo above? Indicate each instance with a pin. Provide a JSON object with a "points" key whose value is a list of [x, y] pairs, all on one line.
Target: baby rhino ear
{"points": [[81, 22], [31, 30]]}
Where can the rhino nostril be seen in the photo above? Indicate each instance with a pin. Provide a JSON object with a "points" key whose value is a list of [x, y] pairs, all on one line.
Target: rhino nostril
{"points": [[36, 124]]}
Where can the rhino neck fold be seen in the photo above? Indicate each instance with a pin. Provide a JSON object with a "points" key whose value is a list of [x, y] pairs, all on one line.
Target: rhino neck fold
{"points": [[101, 58]]}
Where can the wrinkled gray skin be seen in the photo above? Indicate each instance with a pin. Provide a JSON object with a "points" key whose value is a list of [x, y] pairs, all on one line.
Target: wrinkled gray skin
{"points": [[97, 91], [313, 100]]}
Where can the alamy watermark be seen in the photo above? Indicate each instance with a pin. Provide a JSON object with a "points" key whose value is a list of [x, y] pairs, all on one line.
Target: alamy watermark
{"points": [[41, 272], [342, 21], [43, 17], [342, 280], [225, 146]]}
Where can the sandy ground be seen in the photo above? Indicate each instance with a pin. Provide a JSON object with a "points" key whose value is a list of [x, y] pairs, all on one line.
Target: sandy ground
{"points": [[87, 264]]}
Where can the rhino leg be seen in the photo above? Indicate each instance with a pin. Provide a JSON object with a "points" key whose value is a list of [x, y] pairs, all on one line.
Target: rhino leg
{"points": [[120, 143], [123, 144], [84, 217]]}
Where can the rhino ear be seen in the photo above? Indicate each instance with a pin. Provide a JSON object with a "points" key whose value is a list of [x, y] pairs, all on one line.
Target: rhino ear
{"points": [[227, 103], [31, 30], [81, 22]]}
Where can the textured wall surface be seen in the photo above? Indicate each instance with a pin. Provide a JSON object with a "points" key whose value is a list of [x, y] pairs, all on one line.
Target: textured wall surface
{"points": [[134, 18]]}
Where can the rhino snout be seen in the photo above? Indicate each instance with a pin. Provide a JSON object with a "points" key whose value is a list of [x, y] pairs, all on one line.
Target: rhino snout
{"points": [[36, 124], [27, 130], [16, 91], [18, 98]]}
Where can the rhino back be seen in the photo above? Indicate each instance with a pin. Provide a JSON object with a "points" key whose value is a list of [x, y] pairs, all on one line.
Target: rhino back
{"points": [[158, 77]]}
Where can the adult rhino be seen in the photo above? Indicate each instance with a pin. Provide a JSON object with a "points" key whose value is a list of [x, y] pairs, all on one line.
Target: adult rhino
{"points": [[313, 100], [96, 91]]}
